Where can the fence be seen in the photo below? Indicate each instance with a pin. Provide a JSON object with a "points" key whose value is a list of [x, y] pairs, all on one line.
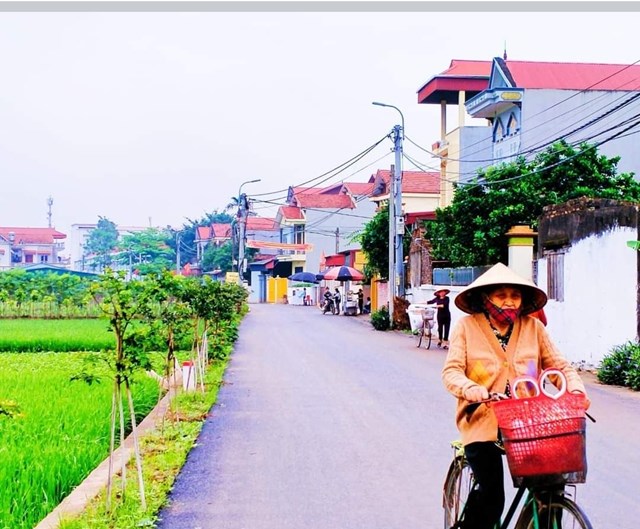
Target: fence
{"points": [[458, 276]]}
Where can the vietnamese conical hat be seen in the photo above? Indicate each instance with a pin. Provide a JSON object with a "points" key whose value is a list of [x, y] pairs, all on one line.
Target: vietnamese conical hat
{"points": [[469, 300]]}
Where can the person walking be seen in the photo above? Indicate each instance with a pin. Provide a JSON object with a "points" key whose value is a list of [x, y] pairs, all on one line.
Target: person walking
{"points": [[441, 301], [498, 341]]}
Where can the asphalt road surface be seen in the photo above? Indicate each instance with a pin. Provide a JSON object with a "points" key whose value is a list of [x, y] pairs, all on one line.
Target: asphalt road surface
{"points": [[325, 423]]}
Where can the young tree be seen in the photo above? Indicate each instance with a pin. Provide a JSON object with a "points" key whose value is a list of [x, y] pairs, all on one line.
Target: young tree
{"points": [[471, 231], [101, 243]]}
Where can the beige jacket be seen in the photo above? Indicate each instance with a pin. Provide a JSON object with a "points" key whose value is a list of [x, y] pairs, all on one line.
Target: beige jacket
{"points": [[476, 358]]}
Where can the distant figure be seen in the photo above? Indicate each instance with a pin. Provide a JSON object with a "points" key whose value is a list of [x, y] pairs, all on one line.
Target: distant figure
{"points": [[360, 301], [337, 298], [304, 296], [444, 316], [367, 306]]}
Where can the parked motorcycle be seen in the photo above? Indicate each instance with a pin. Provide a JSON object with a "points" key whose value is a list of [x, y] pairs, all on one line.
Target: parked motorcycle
{"points": [[328, 305]]}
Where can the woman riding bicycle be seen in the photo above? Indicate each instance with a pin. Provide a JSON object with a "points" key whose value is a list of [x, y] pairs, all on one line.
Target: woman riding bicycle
{"points": [[496, 343]]}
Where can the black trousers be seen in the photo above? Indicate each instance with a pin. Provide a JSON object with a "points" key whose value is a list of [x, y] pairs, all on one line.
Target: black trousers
{"points": [[486, 502], [443, 329]]}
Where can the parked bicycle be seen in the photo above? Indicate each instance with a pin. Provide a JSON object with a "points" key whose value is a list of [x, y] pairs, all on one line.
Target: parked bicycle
{"points": [[424, 333], [544, 440]]}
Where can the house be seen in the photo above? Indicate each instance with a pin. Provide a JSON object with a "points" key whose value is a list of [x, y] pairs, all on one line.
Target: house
{"points": [[25, 246], [530, 105], [216, 234], [420, 193], [324, 219]]}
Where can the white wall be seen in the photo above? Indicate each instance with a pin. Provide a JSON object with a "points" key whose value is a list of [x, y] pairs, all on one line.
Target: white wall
{"points": [[599, 311]]}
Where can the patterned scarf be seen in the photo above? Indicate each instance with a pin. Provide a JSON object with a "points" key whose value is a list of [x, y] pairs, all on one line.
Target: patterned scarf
{"points": [[502, 316]]}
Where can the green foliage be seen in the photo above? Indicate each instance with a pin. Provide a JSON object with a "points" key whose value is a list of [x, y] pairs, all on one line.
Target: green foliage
{"points": [[621, 367], [101, 243], [147, 252], [37, 335], [57, 433], [471, 231], [374, 241], [380, 319], [218, 257], [188, 234]]}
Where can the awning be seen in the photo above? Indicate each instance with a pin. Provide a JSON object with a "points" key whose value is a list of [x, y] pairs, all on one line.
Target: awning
{"points": [[279, 246]]}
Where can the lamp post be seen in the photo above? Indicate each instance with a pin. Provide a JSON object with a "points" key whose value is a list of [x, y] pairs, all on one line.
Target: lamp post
{"points": [[242, 225], [396, 219]]}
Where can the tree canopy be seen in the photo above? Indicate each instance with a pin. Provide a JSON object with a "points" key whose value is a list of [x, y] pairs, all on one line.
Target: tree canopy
{"points": [[471, 231], [101, 242]]}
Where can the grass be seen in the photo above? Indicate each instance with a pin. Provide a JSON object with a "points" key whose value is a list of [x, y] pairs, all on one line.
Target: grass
{"points": [[164, 452], [59, 433], [30, 335]]}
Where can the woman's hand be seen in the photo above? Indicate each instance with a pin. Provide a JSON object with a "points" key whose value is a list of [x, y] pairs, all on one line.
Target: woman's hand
{"points": [[476, 394]]}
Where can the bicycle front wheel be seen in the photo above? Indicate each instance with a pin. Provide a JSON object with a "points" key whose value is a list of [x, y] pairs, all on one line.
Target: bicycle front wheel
{"points": [[457, 487], [427, 335], [418, 336], [556, 512]]}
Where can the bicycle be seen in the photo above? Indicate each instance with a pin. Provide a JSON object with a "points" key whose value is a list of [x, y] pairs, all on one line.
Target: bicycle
{"points": [[425, 333], [544, 501]]}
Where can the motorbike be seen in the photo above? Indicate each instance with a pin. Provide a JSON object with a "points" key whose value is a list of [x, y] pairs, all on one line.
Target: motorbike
{"points": [[328, 305]]}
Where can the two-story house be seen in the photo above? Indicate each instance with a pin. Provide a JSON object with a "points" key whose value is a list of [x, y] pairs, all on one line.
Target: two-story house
{"points": [[26, 246]]}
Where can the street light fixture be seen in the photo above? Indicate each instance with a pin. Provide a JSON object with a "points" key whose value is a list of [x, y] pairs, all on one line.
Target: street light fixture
{"points": [[242, 225], [396, 220]]}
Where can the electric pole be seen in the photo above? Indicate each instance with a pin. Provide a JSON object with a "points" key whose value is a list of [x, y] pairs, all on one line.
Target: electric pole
{"points": [[243, 212], [397, 209], [391, 285]]}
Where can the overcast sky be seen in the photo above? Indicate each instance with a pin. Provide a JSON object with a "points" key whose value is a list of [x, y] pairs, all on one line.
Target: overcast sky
{"points": [[155, 118]]}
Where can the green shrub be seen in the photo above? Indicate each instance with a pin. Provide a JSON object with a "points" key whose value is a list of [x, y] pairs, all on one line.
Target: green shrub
{"points": [[622, 366], [380, 319], [633, 376]]}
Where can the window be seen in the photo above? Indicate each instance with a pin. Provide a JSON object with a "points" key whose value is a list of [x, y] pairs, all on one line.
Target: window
{"points": [[512, 126], [44, 258], [498, 130], [555, 275], [298, 234]]}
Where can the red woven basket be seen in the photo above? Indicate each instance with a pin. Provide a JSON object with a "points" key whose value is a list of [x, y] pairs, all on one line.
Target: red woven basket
{"points": [[544, 437]]}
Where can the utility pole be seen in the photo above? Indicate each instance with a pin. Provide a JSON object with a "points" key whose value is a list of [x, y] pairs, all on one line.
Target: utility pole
{"points": [[391, 285], [337, 240], [177, 253], [397, 209], [243, 212], [396, 219]]}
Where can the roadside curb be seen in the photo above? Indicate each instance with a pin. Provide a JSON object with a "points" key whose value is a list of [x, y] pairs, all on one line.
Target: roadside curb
{"points": [[76, 502]]}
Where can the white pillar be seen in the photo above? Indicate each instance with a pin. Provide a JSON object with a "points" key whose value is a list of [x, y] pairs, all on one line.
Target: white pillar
{"points": [[520, 242]]}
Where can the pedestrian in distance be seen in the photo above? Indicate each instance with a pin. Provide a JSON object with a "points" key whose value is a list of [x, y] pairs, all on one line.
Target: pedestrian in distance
{"points": [[441, 301], [336, 299], [498, 341], [360, 301], [304, 296], [367, 306]]}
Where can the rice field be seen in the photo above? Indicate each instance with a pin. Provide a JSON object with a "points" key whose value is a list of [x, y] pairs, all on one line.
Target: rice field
{"points": [[29, 335], [61, 430]]}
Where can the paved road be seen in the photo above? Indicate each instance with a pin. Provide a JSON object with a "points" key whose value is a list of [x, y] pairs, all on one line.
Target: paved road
{"points": [[325, 423]]}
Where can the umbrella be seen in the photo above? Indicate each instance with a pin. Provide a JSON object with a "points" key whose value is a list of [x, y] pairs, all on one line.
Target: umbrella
{"points": [[304, 277], [343, 273]]}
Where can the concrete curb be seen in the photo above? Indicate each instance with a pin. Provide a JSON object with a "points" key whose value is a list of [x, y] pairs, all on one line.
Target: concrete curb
{"points": [[76, 502]]}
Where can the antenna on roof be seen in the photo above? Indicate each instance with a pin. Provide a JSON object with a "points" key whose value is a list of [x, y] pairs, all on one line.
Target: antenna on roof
{"points": [[504, 55], [49, 213]]}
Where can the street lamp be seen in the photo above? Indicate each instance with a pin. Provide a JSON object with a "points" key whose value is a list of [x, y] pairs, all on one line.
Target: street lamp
{"points": [[396, 220], [242, 225]]}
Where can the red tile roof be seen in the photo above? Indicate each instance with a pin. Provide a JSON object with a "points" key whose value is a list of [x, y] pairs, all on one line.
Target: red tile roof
{"points": [[203, 233], [32, 235], [220, 231], [359, 188], [470, 76], [291, 213], [324, 201], [261, 224], [413, 181], [575, 76]]}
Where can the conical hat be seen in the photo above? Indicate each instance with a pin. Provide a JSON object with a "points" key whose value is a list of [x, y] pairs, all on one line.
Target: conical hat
{"points": [[469, 300]]}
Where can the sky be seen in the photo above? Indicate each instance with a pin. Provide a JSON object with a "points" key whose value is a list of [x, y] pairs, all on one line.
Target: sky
{"points": [[155, 119]]}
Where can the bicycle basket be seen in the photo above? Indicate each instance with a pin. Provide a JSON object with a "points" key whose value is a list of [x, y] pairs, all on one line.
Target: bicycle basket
{"points": [[544, 438]]}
